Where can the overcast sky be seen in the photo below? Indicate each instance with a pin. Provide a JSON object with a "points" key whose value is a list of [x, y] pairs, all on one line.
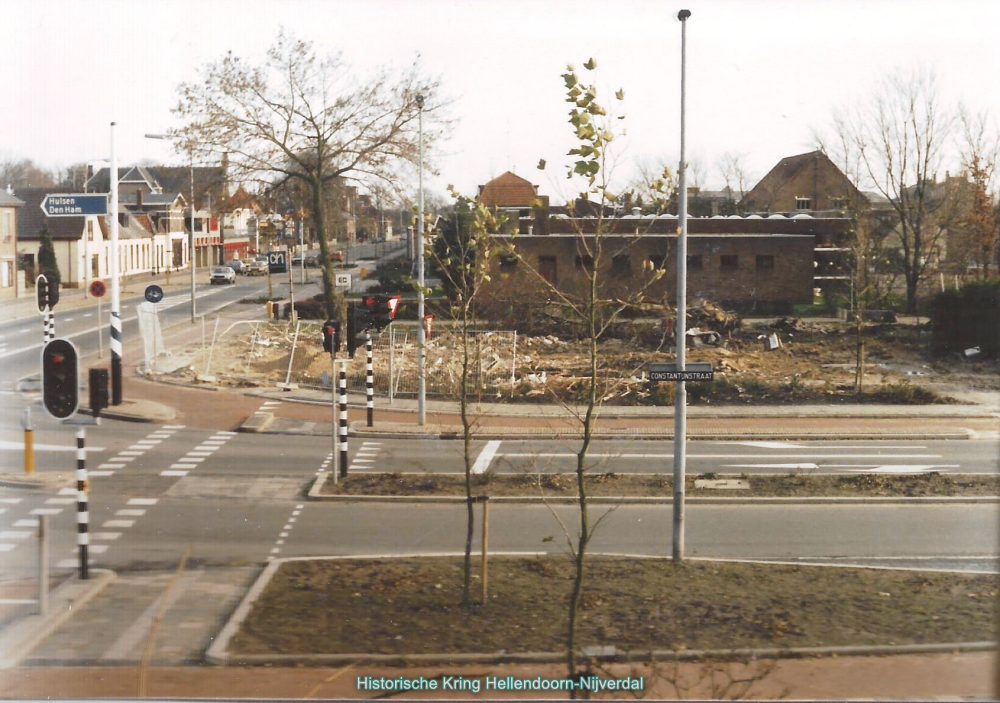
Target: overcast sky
{"points": [[762, 74]]}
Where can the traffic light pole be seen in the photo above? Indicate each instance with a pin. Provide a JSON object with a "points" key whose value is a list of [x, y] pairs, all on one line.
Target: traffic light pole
{"points": [[333, 415], [116, 317], [82, 507]]}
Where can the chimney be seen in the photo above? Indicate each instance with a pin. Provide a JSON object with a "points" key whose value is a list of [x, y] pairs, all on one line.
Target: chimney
{"points": [[637, 212], [138, 199]]}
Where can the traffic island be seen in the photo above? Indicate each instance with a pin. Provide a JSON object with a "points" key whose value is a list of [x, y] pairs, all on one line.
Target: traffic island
{"points": [[408, 611], [611, 487]]}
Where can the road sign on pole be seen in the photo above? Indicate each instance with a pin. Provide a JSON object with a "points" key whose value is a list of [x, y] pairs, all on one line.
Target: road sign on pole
{"points": [[342, 280], [98, 289], [696, 371], [74, 204], [277, 262]]}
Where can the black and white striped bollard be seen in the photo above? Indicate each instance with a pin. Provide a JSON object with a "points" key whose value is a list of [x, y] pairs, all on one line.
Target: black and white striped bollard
{"points": [[49, 325], [369, 381], [343, 418], [82, 513]]}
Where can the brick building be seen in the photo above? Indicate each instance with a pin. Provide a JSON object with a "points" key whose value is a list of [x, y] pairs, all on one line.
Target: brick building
{"points": [[805, 183]]}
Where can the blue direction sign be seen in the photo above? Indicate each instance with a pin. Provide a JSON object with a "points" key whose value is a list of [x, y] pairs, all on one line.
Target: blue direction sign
{"points": [[75, 204]]}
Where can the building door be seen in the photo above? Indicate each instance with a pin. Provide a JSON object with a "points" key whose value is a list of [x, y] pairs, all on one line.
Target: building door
{"points": [[178, 254], [547, 269]]}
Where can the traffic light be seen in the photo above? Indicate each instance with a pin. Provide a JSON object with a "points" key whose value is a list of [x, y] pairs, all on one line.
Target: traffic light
{"points": [[382, 309], [331, 336], [60, 379], [359, 320], [42, 293], [98, 390]]}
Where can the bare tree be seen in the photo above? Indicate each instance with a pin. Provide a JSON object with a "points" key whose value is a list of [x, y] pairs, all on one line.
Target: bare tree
{"points": [[303, 117], [593, 305], [899, 134], [733, 168], [23, 173], [463, 252]]}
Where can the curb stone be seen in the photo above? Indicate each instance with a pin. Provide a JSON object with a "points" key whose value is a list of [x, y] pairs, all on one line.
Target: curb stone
{"points": [[18, 639], [218, 653], [315, 494]]}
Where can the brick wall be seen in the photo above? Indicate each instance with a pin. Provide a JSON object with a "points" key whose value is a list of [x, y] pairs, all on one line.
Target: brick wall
{"points": [[768, 271]]}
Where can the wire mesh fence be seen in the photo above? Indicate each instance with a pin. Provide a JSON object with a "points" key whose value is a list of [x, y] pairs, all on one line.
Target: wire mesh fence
{"points": [[262, 352]]}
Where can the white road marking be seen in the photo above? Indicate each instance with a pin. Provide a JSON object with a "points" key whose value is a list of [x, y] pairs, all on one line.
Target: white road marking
{"points": [[118, 523], [143, 501], [7, 547], [17, 601], [109, 536], [227, 433], [111, 466], [89, 314], [150, 442], [895, 469], [16, 534], [202, 454], [183, 466], [374, 444], [67, 491], [46, 511], [60, 501], [13, 501], [204, 448], [486, 456], [161, 435], [173, 473], [126, 512], [101, 474], [68, 319], [130, 453], [98, 548], [173, 427], [193, 459], [26, 523], [361, 460]]}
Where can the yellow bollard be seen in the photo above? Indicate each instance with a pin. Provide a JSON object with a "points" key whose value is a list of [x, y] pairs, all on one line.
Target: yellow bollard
{"points": [[29, 451], [364, 273], [29, 442], [270, 309]]}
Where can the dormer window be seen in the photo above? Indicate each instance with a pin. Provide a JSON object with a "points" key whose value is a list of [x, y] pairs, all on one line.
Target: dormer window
{"points": [[803, 203]]}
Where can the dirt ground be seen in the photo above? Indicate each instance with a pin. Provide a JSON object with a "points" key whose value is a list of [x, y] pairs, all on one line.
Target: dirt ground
{"points": [[413, 606], [609, 484], [815, 364]]}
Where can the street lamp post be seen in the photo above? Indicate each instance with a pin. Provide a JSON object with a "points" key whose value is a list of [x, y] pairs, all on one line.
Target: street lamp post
{"points": [[421, 334], [191, 259], [680, 396]]}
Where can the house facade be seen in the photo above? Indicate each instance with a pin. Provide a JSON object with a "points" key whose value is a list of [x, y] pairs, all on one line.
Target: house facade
{"points": [[10, 287], [803, 184]]}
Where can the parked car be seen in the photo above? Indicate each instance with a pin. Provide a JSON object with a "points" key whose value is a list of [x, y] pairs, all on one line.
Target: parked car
{"points": [[337, 256], [296, 259], [257, 268], [312, 259], [236, 265], [222, 274]]}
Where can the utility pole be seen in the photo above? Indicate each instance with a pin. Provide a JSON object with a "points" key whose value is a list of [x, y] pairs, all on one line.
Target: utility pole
{"points": [[116, 314], [680, 395]]}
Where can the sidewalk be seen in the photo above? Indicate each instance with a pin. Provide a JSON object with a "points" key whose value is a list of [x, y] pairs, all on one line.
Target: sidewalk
{"points": [[920, 677]]}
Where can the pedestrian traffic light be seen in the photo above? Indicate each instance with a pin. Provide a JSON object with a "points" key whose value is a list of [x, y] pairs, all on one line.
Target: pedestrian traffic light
{"points": [[60, 378], [98, 384], [331, 336]]}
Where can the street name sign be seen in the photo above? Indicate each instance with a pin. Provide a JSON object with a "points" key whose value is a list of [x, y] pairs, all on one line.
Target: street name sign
{"points": [[74, 204], [696, 371]]}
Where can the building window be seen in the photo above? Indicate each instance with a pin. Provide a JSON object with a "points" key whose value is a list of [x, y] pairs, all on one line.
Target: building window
{"points": [[7, 226], [695, 262], [838, 203], [621, 265], [585, 262], [90, 230], [729, 262], [6, 274], [508, 262], [803, 203], [547, 269], [765, 262]]}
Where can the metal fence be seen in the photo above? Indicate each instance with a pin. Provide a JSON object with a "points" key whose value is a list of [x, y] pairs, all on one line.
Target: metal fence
{"points": [[261, 352]]}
